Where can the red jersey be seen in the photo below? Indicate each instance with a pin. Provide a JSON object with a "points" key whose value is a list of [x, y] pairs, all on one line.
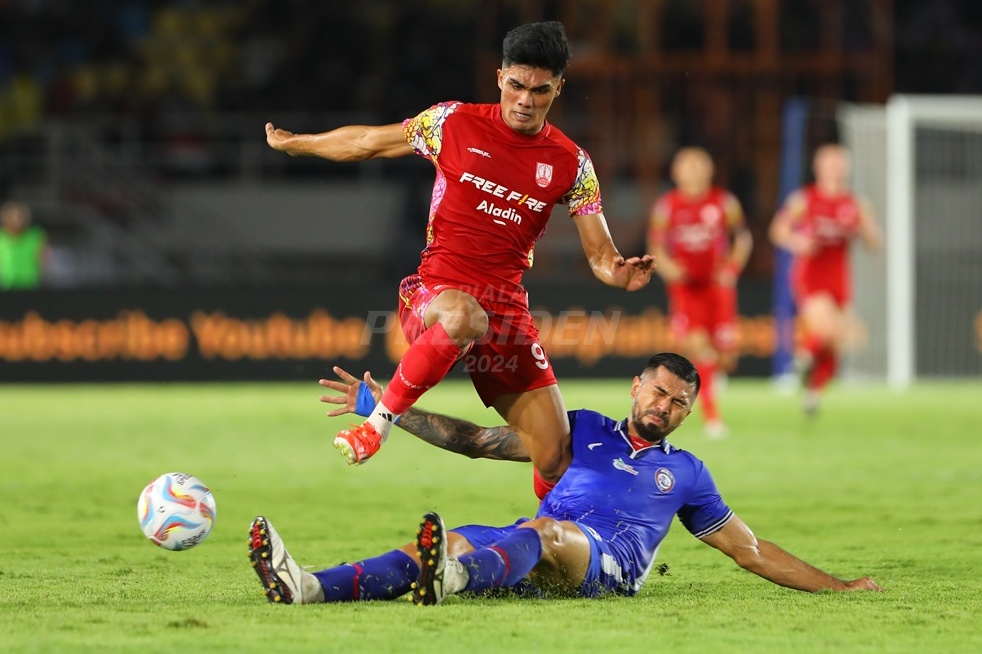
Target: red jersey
{"points": [[831, 221], [493, 194], [695, 231]]}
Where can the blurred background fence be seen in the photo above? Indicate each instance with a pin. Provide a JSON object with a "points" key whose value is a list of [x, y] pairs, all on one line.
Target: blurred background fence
{"points": [[134, 129]]}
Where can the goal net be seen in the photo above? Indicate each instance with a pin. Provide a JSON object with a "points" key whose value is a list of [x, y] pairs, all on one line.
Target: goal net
{"points": [[919, 302]]}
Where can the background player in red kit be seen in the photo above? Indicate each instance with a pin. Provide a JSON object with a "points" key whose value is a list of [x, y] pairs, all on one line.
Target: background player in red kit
{"points": [[500, 168], [816, 224], [698, 236]]}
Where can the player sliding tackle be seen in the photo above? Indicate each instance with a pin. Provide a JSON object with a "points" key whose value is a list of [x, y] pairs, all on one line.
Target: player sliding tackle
{"points": [[500, 169], [596, 532]]}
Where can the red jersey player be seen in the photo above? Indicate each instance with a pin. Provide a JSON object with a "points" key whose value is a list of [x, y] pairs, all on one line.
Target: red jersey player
{"points": [[500, 168], [816, 224], [699, 238]]}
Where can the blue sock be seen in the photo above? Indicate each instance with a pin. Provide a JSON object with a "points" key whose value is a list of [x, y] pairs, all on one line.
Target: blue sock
{"points": [[504, 563], [382, 577]]}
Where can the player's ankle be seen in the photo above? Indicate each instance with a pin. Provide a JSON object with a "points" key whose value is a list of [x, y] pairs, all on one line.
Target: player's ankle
{"points": [[311, 589], [382, 419]]}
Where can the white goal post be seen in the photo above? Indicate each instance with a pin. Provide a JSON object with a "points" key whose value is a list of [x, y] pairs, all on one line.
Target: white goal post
{"points": [[919, 160]]}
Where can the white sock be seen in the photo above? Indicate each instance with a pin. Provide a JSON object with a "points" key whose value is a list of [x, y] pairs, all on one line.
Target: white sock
{"points": [[382, 419], [455, 576], [311, 591]]}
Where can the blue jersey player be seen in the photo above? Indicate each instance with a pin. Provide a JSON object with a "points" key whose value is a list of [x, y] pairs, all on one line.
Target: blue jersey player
{"points": [[596, 532]]}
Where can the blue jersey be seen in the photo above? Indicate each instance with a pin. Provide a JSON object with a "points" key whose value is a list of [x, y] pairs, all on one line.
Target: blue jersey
{"points": [[624, 500]]}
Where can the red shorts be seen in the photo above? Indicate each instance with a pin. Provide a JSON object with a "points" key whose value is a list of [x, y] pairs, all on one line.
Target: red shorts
{"points": [[711, 307], [804, 285], [507, 359]]}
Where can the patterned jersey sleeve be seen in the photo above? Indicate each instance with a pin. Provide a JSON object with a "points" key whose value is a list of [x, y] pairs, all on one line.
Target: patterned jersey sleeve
{"points": [[424, 132], [584, 197], [704, 512]]}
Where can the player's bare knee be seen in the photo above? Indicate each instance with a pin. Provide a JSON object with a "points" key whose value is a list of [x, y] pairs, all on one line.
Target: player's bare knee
{"points": [[550, 533], [464, 320], [698, 343], [457, 545], [477, 324], [553, 537]]}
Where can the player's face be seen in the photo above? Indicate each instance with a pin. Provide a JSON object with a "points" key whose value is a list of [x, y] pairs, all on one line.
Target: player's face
{"points": [[14, 217], [832, 164], [527, 94], [661, 402], [692, 170]]}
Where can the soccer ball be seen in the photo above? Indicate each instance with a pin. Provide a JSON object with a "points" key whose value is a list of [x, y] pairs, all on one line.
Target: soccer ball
{"points": [[176, 511]]}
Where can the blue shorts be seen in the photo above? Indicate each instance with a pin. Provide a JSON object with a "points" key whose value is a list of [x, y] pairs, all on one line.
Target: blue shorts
{"points": [[604, 575]]}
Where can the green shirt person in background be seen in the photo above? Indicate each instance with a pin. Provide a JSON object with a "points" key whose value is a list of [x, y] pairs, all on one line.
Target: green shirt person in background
{"points": [[23, 248]]}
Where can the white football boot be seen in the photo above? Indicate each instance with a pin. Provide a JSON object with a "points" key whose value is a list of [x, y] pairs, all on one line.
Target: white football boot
{"points": [[439, 574], [284, 582]]}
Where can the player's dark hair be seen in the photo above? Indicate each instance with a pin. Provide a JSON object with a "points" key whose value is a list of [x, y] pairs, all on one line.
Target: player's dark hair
{"points": [[541, 45], [678, 365]]}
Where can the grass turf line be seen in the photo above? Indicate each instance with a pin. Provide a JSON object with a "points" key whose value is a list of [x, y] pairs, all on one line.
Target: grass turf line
{"points": [[881, 483]]}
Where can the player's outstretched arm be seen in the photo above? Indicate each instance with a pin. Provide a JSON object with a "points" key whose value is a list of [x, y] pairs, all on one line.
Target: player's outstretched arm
{"points": [[463, 437], [741, 242], [668, 268], [605, 261], [350, 143], [451, 434], [869, 231], [769, 561]]}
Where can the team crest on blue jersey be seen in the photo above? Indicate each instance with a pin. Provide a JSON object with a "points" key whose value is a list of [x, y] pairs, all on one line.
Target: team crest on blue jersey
{"points": [[543, 174], [626, 467], [664, 479]]}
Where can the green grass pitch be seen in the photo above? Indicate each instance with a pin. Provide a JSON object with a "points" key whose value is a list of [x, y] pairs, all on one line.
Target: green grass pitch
{"points": [[880, 483]]}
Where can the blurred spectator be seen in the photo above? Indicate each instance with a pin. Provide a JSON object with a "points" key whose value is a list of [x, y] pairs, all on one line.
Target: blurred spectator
{"points": [[20, 103], [23, 248], [264, 54]]}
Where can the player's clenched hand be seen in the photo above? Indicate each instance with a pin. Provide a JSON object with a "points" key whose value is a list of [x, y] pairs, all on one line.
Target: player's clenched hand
{"points": [[279, 139], [633, 273], [348, 387]]}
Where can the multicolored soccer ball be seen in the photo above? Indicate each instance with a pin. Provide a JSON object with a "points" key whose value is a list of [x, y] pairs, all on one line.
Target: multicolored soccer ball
{"points": [[176, 511]]}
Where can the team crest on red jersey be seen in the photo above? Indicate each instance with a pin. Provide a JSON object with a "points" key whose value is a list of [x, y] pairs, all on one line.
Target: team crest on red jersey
{"points": [[543, 174], [710, 214]]}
